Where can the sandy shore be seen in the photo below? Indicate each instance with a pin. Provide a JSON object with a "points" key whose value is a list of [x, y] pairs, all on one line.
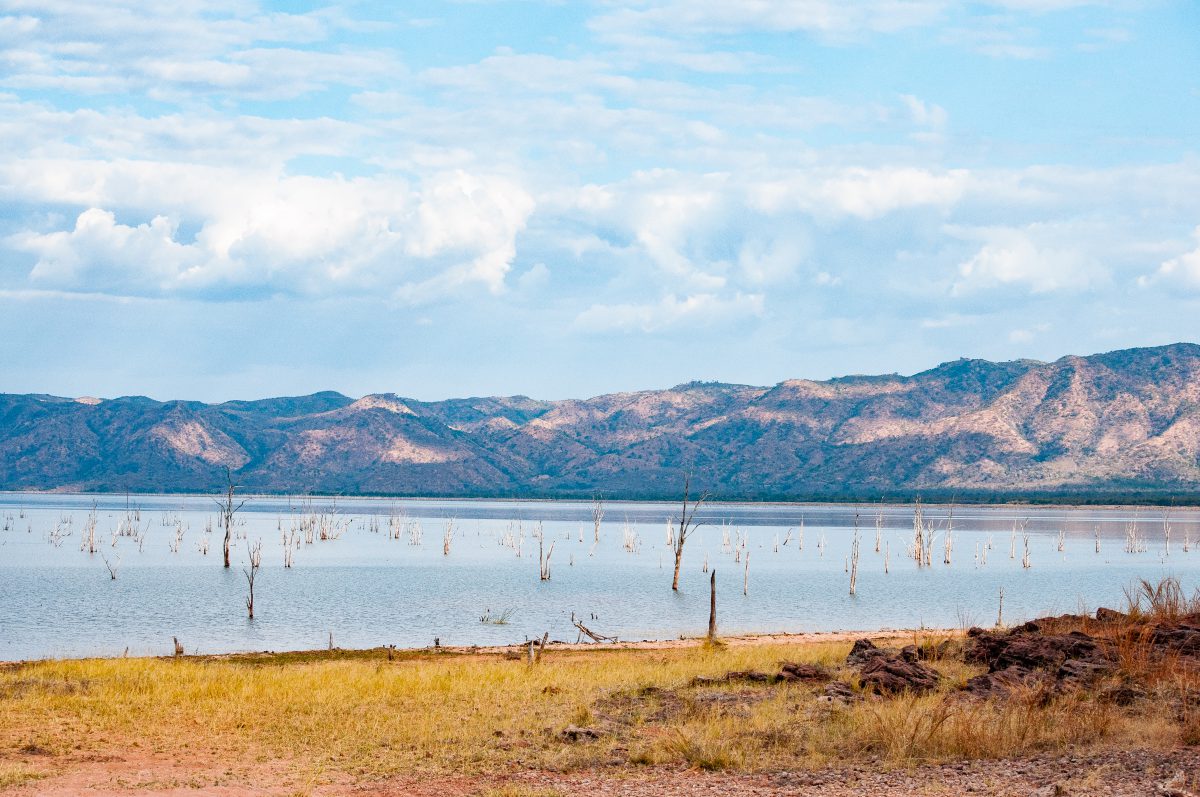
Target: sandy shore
{"points": [[737, 640], [883, 636]]}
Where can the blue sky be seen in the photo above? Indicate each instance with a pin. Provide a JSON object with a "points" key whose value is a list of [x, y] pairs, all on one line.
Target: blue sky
{"points": [[217, 199]]}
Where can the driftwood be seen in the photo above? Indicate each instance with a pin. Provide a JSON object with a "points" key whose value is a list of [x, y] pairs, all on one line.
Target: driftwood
{"points": [[585, 631]]}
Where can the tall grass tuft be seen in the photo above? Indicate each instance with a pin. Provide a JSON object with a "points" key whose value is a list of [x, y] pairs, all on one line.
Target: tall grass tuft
{"points": [[1165, 600]]}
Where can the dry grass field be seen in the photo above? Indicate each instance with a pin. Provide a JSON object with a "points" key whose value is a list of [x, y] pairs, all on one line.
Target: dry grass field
{"points": [[377, 720]]}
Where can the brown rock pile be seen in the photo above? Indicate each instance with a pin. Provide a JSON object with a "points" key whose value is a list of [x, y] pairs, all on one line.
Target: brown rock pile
{"points": [[887, 672], [1181, 637], [788, 673], [1026, 656]]}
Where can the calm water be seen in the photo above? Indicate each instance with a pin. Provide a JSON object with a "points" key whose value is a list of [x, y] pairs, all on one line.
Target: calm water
{"points": [[369, 587]]}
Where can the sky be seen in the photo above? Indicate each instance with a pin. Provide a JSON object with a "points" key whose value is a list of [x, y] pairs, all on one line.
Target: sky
{"points": [[219, 199]]}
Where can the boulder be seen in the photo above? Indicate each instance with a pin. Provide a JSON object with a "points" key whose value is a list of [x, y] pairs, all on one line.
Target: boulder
{"points": [[889, 675], [1182, 637], [1125, 693], [1040, 650], [811, 673], [985, 646], [863, 651], [1003, 682], [839, 693], [1083, 672], [751, 676], [932, 652], [574, 733], [1032, 650]]}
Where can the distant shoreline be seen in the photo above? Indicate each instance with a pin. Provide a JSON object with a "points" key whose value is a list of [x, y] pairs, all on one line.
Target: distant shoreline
{"points": [[1096, 501]]}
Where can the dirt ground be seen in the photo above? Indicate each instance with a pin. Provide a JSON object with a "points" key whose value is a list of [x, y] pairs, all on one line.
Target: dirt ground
{"points": [[1106, 774]]}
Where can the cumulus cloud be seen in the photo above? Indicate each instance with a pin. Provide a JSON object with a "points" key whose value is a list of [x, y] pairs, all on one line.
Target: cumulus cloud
{"points": [[272, 232], [710, 232], [1030, 258], [652, 181], [866, 193], [98, 250]]}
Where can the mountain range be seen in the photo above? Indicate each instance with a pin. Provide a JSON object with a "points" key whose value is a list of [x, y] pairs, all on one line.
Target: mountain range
{"points": [[1116, 424]]}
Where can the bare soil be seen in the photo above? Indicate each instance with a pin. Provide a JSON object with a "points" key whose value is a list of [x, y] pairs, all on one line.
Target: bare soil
{"points": [[1118, 773]]}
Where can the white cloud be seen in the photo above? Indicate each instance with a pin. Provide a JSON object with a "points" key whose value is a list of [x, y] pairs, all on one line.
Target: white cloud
{"points": [[662, 184], [100, 251], [830, 17], [765, 259], [866, 193], [1046, 6], [1032, 258], [1182, 270], [948, 321], [697, 310], [270, 232], [1027, 335], [175, 48], [925, 114], [14, 27]]}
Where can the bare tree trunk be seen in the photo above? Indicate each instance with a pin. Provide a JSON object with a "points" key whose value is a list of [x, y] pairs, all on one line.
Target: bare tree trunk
{"points": [[228, 510], [597, 516], [712, 606], [687, 524], [255, 552]]}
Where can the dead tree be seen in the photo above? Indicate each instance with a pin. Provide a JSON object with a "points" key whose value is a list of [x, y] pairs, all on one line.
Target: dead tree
{"points": [[853, 564], [228, 510], [251, 572], [597, 516], [544, 560], [712, 606], [687, 524], [112, 566]]}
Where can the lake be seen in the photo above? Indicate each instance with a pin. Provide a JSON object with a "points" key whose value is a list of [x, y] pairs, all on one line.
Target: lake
{"points": [[383, 575]]}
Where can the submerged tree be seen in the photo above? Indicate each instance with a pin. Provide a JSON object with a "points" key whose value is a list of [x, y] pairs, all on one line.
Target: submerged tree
{"points": [[255, 560], [228, 510], [597, 516], [687, 524]]}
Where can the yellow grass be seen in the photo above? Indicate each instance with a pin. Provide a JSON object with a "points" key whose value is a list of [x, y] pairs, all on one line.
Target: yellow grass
{"points": [[361, 715], [18, 775]]}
